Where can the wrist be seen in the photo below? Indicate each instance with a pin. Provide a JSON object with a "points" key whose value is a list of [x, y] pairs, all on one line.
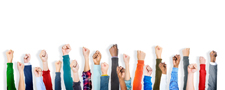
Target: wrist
{"points": [[9, 61], [163, 72], [65, 54], [175, 66], [21, 72], [158, 57], [104, 73], [57, 70], [97, 63]]}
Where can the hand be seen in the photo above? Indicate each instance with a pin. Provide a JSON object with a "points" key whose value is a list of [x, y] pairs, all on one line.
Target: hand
{"points": [[38, 71], [104, 68], [27, 58], [140, 55], [97, 58], [9, 55], [192, 68], [148, 70], [176, 61], [44, 56], [20, 66], [126, 58], [58, 66], [158, 52], [202, 60], [74, 66], [86, 52], [66, 49], [163, 68], [213, 55], [114, 50], [120, 72], [186, 51]]}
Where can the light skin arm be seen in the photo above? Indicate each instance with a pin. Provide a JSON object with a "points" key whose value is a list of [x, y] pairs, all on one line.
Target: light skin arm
{"points": [[190, 81], [158, 52], [104, 68], [86, 53], [20, 67], [126, 59], [75, 67], [58, 65], [121, 75], [44, 57]]}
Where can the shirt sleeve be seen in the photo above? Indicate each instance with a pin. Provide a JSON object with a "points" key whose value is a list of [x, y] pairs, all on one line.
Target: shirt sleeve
{"points": [[202, 76], [28, 77], [10, 77], [157, 75], [114, 77], [138, 75], [174, 79], [104, 80], [163, 82], [87, 85], [128, 84], [76, 86], [147, 83], [96, 77], [40, 84], [185, 64], [58, 81], [47, 80], [212, 82], [68, 80]]}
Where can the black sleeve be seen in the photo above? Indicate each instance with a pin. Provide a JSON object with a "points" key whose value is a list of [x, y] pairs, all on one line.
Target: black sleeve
{"points": [[76, 86], [114, 77]]}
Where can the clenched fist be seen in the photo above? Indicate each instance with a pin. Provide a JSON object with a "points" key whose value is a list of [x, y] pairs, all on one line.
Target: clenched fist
{"points": [[38, 71], [202, 60], [9, 55], [58, 66], [20, 66], [140, 55], [158, 52], [66, 49], [176, 61], [192, 68], [104, 68], [120, 72], [114, 50], [27, 58], [74, 66], [97, 58], [213, 55], [148, 70], [126, 58], [186, 51], [86, 52], [44, 56], [163, 68]]}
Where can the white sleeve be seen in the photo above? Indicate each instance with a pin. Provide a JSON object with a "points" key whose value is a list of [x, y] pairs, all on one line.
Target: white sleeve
{"points": [[163, 82]]}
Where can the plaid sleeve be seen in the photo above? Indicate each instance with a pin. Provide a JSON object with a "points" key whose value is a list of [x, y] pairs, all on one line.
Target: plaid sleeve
{"points": [[87, 80]]}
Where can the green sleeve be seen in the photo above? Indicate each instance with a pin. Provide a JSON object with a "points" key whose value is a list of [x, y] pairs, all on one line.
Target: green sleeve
{"points": [[158, 75], [10, 77]]}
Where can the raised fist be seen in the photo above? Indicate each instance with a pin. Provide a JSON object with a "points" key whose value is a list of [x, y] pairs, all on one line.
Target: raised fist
{"points": [[186, 51], [20, 66], [158, 52], [44, 56], [140, 55], [38, 71], [148, 70], [192, 68], [163, 68], [58, 65], [97, 58], [9, 55], [104, 68], [126, 58], [27, 58], [202, 60], [74, 66], [114, 50], [120, 72], [176, 61], [86, 52], [66, 49], [213, 55]]}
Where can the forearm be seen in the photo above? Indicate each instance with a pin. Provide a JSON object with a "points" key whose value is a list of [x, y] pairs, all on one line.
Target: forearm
{"points": [[96, 77], [138, 75], [76, 77], [21, 81], [157, 75], [10, 77], [114, 77], [87, 80], [202, 77], [40, 84], [47, 79], [122, 84], [86, 66], [68, 81], [190, 82], [76, 86], [212, 82], [127, 71], [58, 81], [45, 66], [28, 77], [174, 79], [185, 64], [147, 83]]}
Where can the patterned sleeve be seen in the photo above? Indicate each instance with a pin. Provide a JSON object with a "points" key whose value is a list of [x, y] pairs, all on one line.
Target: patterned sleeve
{"points": [[87, 80]]}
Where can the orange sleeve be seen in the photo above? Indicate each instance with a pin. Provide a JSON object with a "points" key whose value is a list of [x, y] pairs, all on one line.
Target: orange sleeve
{"points": [[138, 75]]}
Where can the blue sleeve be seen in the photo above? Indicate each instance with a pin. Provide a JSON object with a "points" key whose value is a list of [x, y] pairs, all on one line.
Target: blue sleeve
{"points": [[104, 82], [147, 83], [28, 77], [40, 84], [58, 81], [96, 77], [68, 80], [174, 80], [128, 84]]}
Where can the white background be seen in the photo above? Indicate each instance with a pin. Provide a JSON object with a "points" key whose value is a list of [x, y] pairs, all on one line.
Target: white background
{"points": [[30, 26]]}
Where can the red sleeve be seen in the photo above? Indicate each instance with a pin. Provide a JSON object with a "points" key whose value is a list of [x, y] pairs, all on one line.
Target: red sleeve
{"points": [[47, 80], [202, 77], [138, 75]]}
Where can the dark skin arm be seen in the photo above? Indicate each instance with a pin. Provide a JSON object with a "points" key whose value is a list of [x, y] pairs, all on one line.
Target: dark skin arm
{"points": [[176, 61], [163, 68], [121, 76]]}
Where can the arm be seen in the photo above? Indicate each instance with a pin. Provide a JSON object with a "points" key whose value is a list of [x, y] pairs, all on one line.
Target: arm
{"points": [[97, 69], [185, 52], [28, 72], [121, 75], [9, 72], [40, 84], [163, 82], [174, 80], [87, 85], [202, 73], [104, 82], [58, 76], [126, 59], [122, 84], [147, 83], [190, 82], [158, 52], [68, 81], [212, 83], [76, 82], [114, 78], [20, 67]]}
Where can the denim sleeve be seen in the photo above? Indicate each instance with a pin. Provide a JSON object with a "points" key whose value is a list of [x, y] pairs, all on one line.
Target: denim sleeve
{"points": [[174, 79], [104, 82], [128, 84], [28, 77], [58, 81], [147, 83]]}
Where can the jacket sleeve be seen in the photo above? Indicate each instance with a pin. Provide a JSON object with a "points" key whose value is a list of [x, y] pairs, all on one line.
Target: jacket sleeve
{"points": [[58, 81], [76, 86], [157, 75], [68, 80], [174, 79], [202, 76], [128, 84], [104, 82], [87, 85], [185, 63], [212, 83], [96, 77], [10, 77], [163, 82], [40, 84], [114, 77], [28, 77], [147, 83], [47, 80], [138, 75]]}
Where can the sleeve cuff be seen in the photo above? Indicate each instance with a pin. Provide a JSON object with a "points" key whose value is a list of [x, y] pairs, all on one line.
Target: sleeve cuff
{"points": [[66, 56], [212, 63], [26, 64], [115, 57], [202, 66], [141, 62], [97, 67], [175, 69]]}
